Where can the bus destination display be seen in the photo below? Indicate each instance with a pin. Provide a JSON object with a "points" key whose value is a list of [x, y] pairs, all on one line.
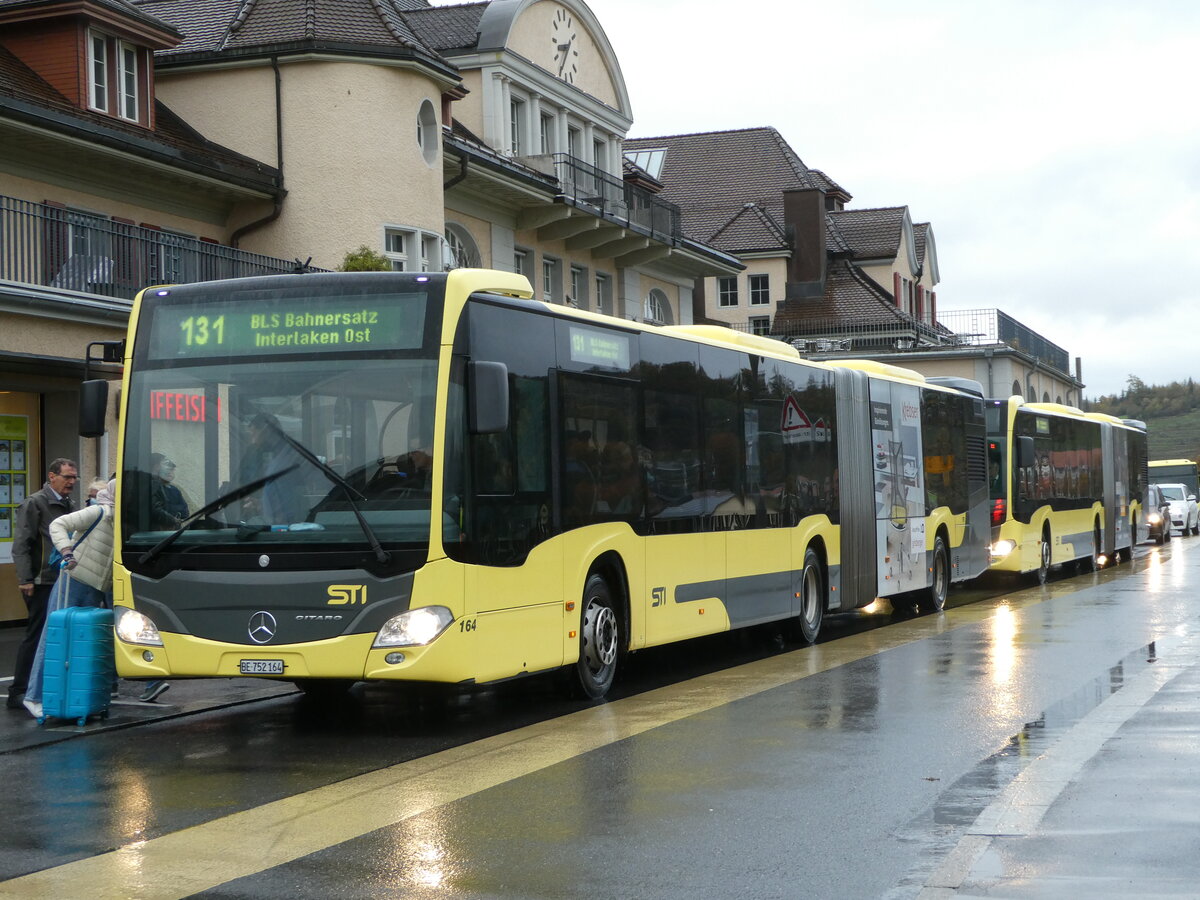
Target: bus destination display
{"points": [[288, 325]]}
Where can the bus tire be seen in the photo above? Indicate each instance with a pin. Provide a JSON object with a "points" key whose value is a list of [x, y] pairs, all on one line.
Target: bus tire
{"points": [[939, 587], [1125, 554], [1092, 563], [599, 639], [1043, 569], [812, 598]]}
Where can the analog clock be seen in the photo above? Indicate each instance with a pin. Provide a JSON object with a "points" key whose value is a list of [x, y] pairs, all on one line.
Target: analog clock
{"points": [[566, 46]]}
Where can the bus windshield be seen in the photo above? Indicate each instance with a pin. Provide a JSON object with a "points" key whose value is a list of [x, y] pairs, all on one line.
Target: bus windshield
{"points": [[339, 443]]}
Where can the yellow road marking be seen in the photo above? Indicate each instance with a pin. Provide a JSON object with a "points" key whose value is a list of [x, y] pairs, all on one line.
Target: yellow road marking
{"points": [[204, 856]]}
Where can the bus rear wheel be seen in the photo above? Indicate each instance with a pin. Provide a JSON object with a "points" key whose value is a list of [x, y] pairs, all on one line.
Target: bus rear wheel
{"points": [[599, 639], [939, 587], [807, 625]]}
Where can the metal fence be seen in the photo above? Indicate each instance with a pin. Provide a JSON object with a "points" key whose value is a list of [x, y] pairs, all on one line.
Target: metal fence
{"points": [[63, 248], [612, 198], [980, 327]]}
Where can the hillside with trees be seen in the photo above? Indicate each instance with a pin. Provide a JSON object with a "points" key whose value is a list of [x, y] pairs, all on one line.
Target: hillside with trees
{"points": [[1171, 412]]}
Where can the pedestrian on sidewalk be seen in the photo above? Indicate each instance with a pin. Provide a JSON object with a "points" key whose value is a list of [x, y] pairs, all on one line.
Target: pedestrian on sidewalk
{"points": [[85, 540], [31, 557]]}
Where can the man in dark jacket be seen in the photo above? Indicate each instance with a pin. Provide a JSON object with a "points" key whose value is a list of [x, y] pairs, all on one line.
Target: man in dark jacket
{"points": [[31, 554]]}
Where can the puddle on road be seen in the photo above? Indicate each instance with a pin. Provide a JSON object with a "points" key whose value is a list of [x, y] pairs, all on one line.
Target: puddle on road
{"points": [[962, 802]]}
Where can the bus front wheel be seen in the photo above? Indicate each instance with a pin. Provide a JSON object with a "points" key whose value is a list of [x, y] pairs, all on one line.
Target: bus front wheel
{"points": [[599, 639], [1043, 569]]}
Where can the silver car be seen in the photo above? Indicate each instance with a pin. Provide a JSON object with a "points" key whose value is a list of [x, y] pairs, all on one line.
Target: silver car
{"points": [[1185, 515]]}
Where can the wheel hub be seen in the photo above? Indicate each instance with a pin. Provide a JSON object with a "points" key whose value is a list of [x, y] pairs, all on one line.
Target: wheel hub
{"points": [[599, 636]]}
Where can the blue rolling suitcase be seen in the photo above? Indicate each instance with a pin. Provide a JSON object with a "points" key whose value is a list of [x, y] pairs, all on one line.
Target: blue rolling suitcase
{"points": [[79, 669]]}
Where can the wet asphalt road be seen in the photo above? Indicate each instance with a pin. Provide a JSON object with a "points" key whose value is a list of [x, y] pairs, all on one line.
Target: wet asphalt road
{"points": [[723, 768]]}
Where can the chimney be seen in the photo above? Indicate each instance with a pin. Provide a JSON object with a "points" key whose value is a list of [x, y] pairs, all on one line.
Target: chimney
{"points": [[804, 222]]}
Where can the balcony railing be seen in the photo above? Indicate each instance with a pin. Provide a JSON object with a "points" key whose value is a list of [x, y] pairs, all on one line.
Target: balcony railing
{"points": [[591, 187], [981, 327], [61, 248]]}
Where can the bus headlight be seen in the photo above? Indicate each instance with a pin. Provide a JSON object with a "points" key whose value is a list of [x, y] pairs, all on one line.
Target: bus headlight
{"points": [[1001, 549], [134, 628], [414, 628]]}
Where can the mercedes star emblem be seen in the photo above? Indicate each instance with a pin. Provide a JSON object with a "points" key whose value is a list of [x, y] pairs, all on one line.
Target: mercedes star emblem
{"points": [[261, 627], [264, 561]]}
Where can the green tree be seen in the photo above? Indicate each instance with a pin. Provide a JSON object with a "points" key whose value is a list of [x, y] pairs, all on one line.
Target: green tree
{"points": [[364, 259]]}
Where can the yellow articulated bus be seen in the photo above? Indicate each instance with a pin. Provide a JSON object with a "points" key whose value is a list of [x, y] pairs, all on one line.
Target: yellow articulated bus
{"points": [[329, 478], [1067, 487]]}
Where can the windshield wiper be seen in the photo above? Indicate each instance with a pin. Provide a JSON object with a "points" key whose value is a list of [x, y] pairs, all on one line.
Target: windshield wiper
{"points": [[350, 491], [220, 503]]}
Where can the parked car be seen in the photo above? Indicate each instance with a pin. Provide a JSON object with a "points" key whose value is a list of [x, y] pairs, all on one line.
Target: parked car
{"points": [[1158, 514], [1185, 515]]}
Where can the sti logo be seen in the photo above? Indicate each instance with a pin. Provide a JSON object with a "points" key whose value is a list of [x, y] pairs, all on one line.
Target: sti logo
{"points": [[347, 595], [660, 596]]}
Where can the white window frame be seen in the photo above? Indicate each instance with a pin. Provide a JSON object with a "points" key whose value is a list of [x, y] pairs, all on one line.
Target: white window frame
{"points": [[550, 278], [420, 250], [99, 72], [656, 307], [604, 302], [516, 125], [128, 81], [727, 292], [521, 262], [760, 325], [578, 287], [759, 287], [546, 133]]}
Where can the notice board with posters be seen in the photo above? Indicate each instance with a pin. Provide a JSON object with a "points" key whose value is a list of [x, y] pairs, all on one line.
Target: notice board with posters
{"points": [[14, 476]]}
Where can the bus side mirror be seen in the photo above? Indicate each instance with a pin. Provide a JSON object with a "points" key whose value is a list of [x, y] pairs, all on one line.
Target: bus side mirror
{"points": [[1025, 453], [93, 407], [487, 384]]}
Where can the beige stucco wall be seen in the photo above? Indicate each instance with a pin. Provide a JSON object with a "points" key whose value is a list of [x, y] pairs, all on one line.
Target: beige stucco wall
{"points": [[532, 38], [351, 160], [774, 268], [469, 110], [234, 107], [40, 191], [481, 231], [41, 336]]}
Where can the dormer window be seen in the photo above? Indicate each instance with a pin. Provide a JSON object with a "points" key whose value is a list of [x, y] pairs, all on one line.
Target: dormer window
{"points": [[128, 98], [115, 76], [98, 72]]}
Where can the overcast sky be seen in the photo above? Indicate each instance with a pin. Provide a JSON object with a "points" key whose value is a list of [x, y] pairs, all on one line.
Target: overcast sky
{"points": [[1054, 146]]}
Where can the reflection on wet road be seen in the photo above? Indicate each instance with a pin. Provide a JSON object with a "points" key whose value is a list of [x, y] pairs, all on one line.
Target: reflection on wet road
{"points": [[863, 760]]}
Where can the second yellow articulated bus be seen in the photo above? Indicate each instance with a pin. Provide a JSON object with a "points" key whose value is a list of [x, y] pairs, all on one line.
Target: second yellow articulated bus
{"points": [[1066, 486], [433, 477]]}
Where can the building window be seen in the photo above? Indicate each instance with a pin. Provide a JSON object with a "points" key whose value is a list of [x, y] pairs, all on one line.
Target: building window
{"points": [[128, 81], [727, 292], [1016, 387], [395, 248], [760, 290], [546, 134], [573, 142], [427, 132], [461, 250], [578, 285], [600, 155], [657, 307], [521, 262], [516, 115], [98, 71], [550, 279], [604, 303], [412, 250], [760, 325]]}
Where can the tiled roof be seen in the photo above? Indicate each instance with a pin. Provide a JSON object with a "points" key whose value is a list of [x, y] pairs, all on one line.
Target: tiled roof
{"points": [[920, 231], [849, 295], [752, 228], [123, 8], [827, 184], [447, 27], [712, 176], [212, 26], [870, 233], [24, 94]]}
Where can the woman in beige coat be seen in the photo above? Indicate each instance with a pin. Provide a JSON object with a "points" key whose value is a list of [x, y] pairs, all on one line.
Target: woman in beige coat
{"points": [[85, 540]]}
